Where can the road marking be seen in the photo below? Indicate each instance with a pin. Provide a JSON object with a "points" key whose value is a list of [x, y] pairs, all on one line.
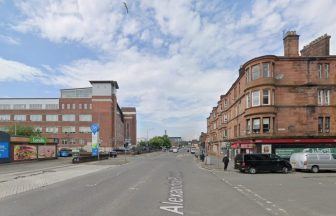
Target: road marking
{"points": [[269, 206], [175, 200]]}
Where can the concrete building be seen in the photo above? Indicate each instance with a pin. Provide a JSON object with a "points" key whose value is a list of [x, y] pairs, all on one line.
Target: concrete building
{"points": [[69, 117], [279, 104]]}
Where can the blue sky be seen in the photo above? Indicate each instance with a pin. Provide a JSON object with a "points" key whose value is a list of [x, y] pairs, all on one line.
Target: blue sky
{"points": [[171, 58]]}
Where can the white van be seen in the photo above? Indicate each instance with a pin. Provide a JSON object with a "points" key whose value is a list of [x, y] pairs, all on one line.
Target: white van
{"points": [[313, 161]]}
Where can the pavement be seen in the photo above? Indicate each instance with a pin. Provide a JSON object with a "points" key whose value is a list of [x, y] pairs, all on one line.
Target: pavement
{"points": [[173, 184]]}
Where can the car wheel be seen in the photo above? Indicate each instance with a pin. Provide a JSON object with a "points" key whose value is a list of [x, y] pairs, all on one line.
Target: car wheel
{"points": [[315, 169], [252, 170], [285, 170]]}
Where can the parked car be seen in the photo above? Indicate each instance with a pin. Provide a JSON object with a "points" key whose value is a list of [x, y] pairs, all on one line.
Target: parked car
{"points": [[254, 163], [313, 162], [65, 152], [175, 150], [193, 150], [113, 154]]}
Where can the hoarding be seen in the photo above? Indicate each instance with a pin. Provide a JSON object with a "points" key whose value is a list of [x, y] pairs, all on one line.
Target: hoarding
{"points": [[24, 152], [45, 151], [4, 150]]}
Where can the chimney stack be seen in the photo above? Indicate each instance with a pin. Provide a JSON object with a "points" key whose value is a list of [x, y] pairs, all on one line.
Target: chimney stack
{"points": [[291, 44], [318, 47]]}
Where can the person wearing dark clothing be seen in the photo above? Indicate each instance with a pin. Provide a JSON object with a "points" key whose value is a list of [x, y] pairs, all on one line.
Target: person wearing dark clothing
{"points": [[226, 162]]}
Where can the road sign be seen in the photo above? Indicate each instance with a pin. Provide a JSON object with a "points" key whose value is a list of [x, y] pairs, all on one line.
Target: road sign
{"points": [[95, 128]]}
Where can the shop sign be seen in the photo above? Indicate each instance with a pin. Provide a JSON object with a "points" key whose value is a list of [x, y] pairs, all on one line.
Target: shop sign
{"points": [[4, 150], [38, 140], [246, 146], [287, 152]]}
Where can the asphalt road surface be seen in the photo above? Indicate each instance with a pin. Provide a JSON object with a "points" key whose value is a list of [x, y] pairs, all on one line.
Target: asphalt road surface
{"points": [[175, 184]]}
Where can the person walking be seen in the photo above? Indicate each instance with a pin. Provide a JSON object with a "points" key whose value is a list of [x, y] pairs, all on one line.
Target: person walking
{"points": [[226, 162]]}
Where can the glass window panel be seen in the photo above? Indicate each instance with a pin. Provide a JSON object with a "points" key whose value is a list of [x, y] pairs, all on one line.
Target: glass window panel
{"points": [[256, 98], [255, 72]]}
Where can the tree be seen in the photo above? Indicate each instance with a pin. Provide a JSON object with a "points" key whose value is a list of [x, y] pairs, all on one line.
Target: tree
{"points": [[159, 142], [22, 130]]}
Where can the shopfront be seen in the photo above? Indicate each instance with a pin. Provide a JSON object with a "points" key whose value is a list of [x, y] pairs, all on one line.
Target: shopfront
{"points": [[33, 148], [284, 147], [13, 149]]}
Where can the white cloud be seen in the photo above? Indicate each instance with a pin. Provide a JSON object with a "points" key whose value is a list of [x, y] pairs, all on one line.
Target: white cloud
{"points": [[174, 58], [9, 40], [16, 71]]}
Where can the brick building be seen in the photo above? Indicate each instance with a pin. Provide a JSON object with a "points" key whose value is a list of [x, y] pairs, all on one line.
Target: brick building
{"points": [[279, 104], [69, 117], [130, 123]]}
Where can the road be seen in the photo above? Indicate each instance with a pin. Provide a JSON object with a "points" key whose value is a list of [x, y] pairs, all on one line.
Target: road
{"points": [[176, 184]]}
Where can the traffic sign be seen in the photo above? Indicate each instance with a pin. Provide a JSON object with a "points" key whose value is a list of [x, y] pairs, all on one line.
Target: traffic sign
{"points": [[95, 128]]}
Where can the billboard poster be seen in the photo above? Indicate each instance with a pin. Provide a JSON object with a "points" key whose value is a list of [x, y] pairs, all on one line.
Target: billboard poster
{"points": [[4, 150], [45, 151], [25, 152], [266, 149]]}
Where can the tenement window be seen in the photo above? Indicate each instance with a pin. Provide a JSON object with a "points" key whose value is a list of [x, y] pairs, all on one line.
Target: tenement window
{"points": [[320, 124], [255, 72], [326, 70], [256, 125], [247, 74], [248, 100], [256, 98], [266, 97], [327, 124], [323, 97], [248, 126], [266, 70], [266, 125], [319, 68]]}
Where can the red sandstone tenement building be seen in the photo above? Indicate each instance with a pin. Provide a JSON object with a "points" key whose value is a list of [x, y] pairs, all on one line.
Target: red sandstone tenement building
{"points": [[279, 104], [69, 117]]}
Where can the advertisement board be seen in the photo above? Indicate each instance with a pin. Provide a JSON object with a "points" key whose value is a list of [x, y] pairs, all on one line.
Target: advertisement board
{"points": [[24, 152], [266, 149], [287, 152], [45, 151], [4, 150]]}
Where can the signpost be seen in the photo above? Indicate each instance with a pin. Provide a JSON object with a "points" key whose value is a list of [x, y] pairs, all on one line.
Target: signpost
{"points": [[95, 139]]}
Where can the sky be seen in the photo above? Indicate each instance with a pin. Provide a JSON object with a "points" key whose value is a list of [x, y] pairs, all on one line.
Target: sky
{"points": [[172, 59]]}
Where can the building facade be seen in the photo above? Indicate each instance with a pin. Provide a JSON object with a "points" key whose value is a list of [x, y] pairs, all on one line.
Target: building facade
{"points": [[130, 123], [69, 117], [279, 104]]}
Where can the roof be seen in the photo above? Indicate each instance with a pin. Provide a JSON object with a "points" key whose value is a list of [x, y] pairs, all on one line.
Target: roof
{"points": [[114, 83], [128, 109]]}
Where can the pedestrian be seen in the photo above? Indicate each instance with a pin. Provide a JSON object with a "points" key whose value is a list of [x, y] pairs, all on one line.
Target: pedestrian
{"points": [[226, 162]]}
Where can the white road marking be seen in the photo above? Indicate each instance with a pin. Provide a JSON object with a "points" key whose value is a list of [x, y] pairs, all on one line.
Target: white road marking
{"points": [[175, 200]]}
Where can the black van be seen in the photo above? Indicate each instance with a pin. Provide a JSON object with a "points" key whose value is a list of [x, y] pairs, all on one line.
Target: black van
{"points": [[261, 163]]}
